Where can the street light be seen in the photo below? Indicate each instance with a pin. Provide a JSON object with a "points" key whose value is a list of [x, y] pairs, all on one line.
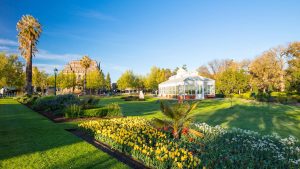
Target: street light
{"points": [[55, 74]]}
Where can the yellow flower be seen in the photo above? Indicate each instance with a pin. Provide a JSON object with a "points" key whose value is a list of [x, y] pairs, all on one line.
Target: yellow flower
{"points": [[179, 165]]}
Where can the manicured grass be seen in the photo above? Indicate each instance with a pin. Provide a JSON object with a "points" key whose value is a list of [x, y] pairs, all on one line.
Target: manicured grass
{"points": [[262, 117], [29, 140]]}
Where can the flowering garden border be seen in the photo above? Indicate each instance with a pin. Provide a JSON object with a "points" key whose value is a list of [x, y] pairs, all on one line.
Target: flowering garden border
{"points": [[122, 157]]}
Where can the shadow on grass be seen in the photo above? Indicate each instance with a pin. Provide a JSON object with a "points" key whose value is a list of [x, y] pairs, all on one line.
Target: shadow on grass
{"points": [[260, 117], [256, 116], [23, 131], [89, 160]]}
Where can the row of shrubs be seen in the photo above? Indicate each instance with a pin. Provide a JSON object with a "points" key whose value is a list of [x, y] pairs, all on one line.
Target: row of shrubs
{"points": [[70, 106], [278, 97], [75, 111], [132, 98]]}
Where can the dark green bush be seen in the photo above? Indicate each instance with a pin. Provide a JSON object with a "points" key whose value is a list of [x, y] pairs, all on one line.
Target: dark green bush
{"points": [[89, 102], [262, 97], [73, 111], [220, 95], [132, 98], [97, 112], [27, 99], [114, 110], [55, 103]]}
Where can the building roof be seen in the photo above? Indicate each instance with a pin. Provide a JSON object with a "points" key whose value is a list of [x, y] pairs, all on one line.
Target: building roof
{"points": [[75, 66], [184, 77]]}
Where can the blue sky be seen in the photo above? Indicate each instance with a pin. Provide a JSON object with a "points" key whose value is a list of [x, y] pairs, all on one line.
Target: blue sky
{"points": [[138, 34]]}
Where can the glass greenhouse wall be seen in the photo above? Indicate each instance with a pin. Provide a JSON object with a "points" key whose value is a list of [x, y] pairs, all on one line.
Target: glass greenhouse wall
{"points": [[187, 85]]}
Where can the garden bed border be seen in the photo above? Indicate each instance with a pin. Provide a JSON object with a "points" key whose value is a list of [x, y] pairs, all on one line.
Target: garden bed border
{"points": [[122, 157]]}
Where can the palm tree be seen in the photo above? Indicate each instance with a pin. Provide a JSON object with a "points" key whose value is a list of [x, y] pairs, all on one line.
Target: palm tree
{"points": [[85, 62], [29, 32], [178, 118]]}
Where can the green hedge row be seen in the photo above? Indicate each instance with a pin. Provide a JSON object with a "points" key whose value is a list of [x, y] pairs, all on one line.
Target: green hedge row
{"points": [[74, 111], [279, 97]]}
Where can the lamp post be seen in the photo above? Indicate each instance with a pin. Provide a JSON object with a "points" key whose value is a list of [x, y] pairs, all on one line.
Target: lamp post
{"points": [[55, 74]]}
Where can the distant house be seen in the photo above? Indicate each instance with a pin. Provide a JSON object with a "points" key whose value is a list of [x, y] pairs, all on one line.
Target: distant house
{"points": [[187, 85], [76, 68]]}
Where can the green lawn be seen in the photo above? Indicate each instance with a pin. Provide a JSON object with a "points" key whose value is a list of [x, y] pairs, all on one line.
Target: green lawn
{"points": [[262, 117], [28, 140]]}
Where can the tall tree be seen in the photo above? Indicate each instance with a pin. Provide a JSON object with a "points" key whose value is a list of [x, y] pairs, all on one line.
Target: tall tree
{"points": [[11, 71], [228, 83], [266, 72], [219, 66], [108, 82], [29, 32], [3, 63], [156, 76], [39, 78], [65, 80], [94, 80], [85, 62], [127, 80], [293, 70], [204, 71]]}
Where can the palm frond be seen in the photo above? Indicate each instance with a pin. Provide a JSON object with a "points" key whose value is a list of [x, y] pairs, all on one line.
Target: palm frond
{"points": [[196, 133], [192, 107], [160, 123], [167, 109]]}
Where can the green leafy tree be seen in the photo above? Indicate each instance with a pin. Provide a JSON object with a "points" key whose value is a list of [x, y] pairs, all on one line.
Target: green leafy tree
{"points": [[178, 116], [85, 62], [127, 80], [11, 71], [51, 81], [3, 63], [95, 80], [228, 83], [140, 82], [156, 76], [64, 80], [29, 32], [108, 82], [39, 78]]}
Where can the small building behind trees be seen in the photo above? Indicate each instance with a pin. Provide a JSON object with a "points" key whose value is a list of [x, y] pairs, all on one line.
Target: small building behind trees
{"points": [[187, 85], [74, 67]]}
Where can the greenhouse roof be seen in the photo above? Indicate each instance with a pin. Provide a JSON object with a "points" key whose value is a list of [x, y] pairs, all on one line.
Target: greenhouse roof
{"points": [[184, 77]]}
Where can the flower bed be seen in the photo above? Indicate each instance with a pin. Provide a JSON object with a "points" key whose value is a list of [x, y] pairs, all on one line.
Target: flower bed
{"points": [[136, 137], [237, 148], [219, 148]]}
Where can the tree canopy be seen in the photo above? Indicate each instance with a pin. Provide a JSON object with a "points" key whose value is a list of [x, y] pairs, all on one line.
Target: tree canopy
{"points": [[11, 69]]}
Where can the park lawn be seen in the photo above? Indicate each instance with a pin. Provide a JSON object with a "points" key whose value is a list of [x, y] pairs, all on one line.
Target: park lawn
{"points": [[29, 140], [261, 117]]}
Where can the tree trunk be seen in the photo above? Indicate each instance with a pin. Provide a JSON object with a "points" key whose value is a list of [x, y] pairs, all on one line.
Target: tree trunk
{"points": [[84, 83], [29, 70]]}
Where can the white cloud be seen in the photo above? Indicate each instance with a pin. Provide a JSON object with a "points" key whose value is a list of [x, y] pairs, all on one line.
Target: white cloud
{"points": [[7, 42], [97, 15], [48, 68], [5, 48], [45, 55], [114, 67]]}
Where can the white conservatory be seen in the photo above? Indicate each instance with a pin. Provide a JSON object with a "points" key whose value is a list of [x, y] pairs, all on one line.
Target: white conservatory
{"points": [[187, 85]]}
